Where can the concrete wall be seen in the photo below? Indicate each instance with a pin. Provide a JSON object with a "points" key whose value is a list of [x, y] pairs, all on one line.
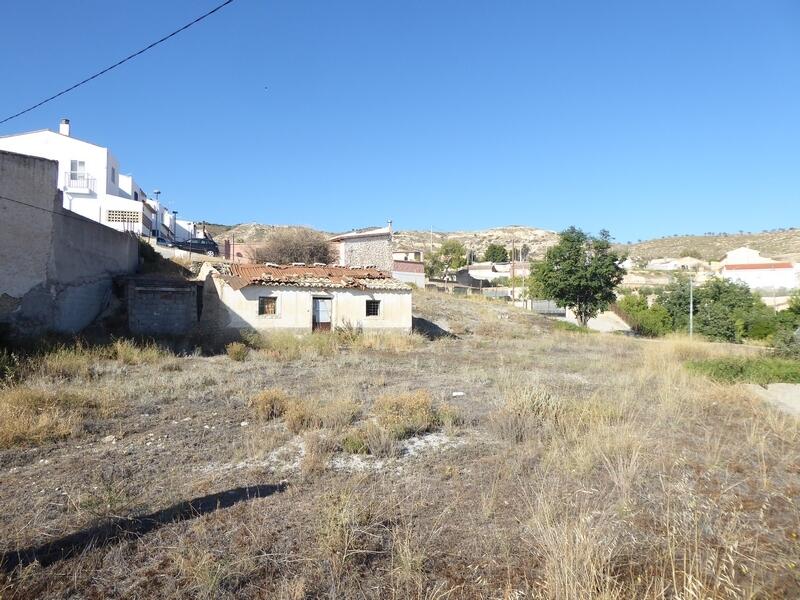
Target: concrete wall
{"points": [[161, 307], [239, 309], [55, 266]]}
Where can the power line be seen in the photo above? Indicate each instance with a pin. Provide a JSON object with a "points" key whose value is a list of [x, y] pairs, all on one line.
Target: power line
{"points": [[66, 213], [117, 64]]}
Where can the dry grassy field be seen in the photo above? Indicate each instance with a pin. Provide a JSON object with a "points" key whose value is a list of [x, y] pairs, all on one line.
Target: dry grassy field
{"points": [[513, 460]]}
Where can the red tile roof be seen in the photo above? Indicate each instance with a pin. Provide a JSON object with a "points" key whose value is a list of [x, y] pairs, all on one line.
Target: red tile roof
{"points": [[242, 275], [764, 266]]}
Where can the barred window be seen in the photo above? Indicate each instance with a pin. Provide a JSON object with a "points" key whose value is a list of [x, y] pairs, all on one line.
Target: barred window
{"points": [[373, 308], [267, 305], [122, 216]]}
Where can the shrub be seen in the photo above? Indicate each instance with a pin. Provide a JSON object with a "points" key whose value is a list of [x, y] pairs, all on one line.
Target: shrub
{"points": [[301, 414], [522, 409], [130, 353], [761, 370], [237, 351], [354, 442], [270, 404], [650, 321], [406, 415], [69, 362], [280, 345], [9, 366]]}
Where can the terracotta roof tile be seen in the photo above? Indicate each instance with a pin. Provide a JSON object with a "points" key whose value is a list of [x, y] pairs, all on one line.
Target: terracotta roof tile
{"points": [[742, 267], [311, 276]]}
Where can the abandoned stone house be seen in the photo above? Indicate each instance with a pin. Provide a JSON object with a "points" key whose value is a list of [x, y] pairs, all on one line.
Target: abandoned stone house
{"points": [[303, 298]]}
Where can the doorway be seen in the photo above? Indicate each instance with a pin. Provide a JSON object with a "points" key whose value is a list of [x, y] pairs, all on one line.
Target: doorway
{"points": [[321, 314]]}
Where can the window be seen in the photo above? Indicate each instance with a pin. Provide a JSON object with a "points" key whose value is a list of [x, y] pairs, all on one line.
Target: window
{"points": [[373, 308], [77, 170], [267, 305]]}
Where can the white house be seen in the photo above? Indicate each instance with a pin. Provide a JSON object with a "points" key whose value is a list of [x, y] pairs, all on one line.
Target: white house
{"points": [[93, 186], [306, 298], [759, 272]]}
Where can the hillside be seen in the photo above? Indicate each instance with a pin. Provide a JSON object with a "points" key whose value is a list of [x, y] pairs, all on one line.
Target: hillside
{"points": [[783, 244]]}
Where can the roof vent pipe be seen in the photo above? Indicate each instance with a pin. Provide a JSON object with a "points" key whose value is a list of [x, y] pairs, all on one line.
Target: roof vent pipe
{"points": [[63, 127]]}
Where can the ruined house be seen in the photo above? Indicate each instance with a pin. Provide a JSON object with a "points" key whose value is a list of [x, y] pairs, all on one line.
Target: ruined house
{"points": [[302, 298]]}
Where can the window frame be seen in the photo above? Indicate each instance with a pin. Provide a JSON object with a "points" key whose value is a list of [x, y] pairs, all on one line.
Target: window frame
{"points": [[267, 314], [377, 304]]}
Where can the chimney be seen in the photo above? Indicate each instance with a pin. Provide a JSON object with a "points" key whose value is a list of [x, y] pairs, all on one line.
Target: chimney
{"points": [[389, 224], [63, 127]]}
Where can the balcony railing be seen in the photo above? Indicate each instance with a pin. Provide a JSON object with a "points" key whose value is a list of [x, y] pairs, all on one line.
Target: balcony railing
{"points": [[81, 183]]}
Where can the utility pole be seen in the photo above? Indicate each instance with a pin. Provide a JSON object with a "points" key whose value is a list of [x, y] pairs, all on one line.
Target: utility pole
{"points": [[513, 287], [691, 306]]}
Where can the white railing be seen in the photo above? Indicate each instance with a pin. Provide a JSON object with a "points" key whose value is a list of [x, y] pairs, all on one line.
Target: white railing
{"points": [[78, 182]]}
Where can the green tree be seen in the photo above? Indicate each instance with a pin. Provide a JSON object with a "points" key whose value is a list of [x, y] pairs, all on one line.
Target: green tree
{"points": [[651, 321], [580, 273], [495, 253], [450, 256], [675, 299]]}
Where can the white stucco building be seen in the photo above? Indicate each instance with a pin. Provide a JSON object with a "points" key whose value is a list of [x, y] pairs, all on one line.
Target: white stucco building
{"points": [[305, 298], [759, 272], [92, 184]]}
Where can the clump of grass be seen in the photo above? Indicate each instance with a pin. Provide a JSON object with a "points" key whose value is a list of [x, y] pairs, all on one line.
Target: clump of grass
{"points": [[762, 370], [522, 409], [370, 438], [237, 351], [311, 413], [69, 362], [279, 345], [318, 450], [319, 344], [10, 367], [350, 528], [393, 342], [30, 416], [130, 353], [270, 404], [405, 415], [570, 327]]}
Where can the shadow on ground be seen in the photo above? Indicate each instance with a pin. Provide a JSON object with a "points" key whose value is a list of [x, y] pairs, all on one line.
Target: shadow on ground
{"points": [[121, 528], [429, 329]]}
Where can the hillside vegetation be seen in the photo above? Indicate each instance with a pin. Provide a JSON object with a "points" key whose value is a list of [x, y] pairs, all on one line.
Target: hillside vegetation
{"points": [[781, 244]]}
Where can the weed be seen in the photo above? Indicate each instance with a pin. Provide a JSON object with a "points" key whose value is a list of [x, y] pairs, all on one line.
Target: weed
{"points": [[761, 370], [237, 351], [406, 415], [270, 404]]}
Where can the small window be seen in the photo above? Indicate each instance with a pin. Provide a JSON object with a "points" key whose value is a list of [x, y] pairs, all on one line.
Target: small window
{"points": [[373, 308], [267, 305]]}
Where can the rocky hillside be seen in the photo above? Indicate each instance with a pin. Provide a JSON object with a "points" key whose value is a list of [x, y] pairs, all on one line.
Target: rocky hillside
{"points": [[536, 240], [781, 244]]}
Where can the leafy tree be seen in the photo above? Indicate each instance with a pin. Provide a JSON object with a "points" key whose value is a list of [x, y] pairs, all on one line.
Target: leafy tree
{"points": [[580, 273], [675, 300], [450, 256], [524, 252], [495, 253]]}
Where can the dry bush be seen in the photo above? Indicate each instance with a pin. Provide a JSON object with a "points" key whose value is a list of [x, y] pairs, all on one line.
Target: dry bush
{"points": [[350, 528], [449, 416], [319, 344], [394, 342], [130, 353], [296, 244], [259, 442], [311, 413], [237, 351], [370, 438], [270, 404], [69, 362], [30, 416], [278, 345], [408, 557], [318, 449], [405, 415], [522, 409]]}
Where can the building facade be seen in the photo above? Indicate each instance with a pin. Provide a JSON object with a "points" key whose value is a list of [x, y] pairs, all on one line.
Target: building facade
{"points": [[304, 299], [370, 247]]}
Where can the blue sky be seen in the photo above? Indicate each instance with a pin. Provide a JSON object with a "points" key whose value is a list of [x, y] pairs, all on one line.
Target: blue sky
{"points": [[645, 118]]}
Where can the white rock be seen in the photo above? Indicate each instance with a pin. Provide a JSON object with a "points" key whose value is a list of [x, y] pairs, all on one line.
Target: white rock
{"points": [[109, 439], [244, 424], [459, 394]]}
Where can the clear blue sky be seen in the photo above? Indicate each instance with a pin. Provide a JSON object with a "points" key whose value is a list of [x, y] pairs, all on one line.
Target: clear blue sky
{"points": [[644, 117]]}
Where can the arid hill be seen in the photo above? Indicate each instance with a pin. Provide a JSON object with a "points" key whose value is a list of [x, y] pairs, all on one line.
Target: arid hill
{"points": [[784, 243]]}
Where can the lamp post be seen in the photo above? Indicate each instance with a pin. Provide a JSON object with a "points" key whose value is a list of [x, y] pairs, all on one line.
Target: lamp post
{"points": [[691, 306]]}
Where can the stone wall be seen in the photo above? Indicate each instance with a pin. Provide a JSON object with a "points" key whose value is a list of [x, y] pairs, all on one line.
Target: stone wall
{"points": [[367, 251], [56, 267]]}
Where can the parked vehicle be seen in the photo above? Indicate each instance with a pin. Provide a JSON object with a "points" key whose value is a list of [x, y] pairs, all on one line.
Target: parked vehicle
{"points": [[199, 245], [162, 241]]}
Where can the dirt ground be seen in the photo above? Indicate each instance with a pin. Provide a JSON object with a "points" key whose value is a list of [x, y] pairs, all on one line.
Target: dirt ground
{"points": [[561, 465]]}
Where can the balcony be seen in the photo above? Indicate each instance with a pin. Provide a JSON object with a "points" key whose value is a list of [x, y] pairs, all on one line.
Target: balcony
{"points": [[76, 182]]}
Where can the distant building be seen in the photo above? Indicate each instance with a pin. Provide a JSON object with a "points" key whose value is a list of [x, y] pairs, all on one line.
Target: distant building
{"points": [[304, 298], [760, 273], [686, 263], [371, 247]]}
